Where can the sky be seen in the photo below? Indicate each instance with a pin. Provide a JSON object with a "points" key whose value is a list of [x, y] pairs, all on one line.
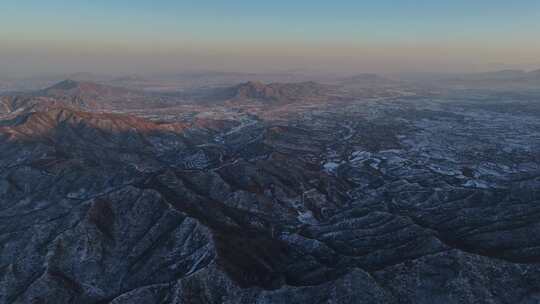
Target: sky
{"points": [[381, 36]]}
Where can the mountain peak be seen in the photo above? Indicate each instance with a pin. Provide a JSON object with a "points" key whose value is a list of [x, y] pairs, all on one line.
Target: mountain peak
{"points": [[73, 87], [89, 91], [256, 90], [67, 84]]}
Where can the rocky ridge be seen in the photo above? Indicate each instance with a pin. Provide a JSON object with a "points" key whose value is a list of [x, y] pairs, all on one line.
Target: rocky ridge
{"points": [[353, 204]]}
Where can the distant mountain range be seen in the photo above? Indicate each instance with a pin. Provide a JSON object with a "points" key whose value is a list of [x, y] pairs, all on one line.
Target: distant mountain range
{"points": [[279, 92], [79, 94], [269, 94], [510, 75], [91, 94], [501, 80]]}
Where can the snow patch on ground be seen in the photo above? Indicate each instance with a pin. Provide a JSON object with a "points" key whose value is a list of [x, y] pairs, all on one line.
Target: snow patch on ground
{"points": [[331, 167]]}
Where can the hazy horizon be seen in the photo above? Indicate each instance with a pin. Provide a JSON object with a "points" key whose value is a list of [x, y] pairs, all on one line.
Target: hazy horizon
{"points": [[164, 36]]}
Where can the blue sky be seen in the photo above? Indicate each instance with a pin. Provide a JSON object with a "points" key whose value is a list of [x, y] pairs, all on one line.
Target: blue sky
{"points": [[278, 19], [221, 26]]}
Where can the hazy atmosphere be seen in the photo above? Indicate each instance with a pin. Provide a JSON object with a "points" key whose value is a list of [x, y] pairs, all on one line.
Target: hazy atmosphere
{"points": [[270, 152], [60, 36]]}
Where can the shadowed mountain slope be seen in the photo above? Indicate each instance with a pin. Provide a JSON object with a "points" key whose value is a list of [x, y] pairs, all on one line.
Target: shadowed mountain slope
{"points": [[368, 202]]}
